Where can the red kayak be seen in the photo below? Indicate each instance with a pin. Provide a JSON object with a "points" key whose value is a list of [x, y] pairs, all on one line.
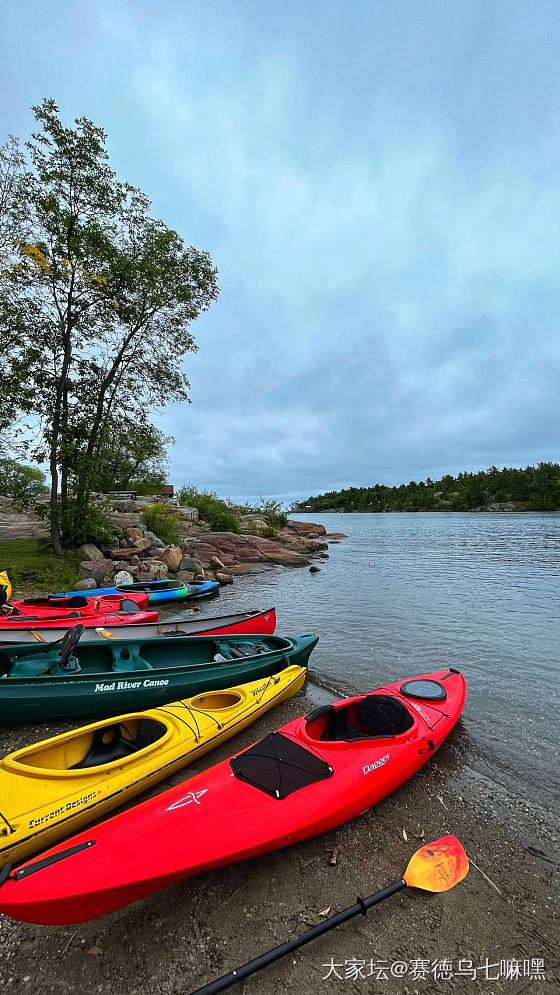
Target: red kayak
{"points": [[311, 775], [240, 623], [66, 612], [47, 607]]}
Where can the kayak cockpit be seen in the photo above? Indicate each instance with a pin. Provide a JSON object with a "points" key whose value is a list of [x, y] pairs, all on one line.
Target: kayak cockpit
{"points": [[107, 743], [375, 716]]}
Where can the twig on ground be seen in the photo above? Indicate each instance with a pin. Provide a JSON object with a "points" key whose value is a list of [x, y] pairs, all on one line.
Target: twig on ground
{"points": [[485, 876]]}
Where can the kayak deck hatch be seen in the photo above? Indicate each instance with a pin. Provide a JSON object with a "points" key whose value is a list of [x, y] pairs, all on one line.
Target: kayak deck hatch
{"points": [[279, 766]]}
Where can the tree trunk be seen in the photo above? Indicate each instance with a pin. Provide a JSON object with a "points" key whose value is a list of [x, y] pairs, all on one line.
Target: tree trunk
{"points": [[56, 541]]}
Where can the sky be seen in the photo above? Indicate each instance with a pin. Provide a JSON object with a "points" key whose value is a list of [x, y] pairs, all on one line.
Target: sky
{"points": [[379, 186]]}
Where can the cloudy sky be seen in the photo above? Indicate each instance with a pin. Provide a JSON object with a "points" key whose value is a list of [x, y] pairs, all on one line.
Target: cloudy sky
{"points": [[378, 184]]}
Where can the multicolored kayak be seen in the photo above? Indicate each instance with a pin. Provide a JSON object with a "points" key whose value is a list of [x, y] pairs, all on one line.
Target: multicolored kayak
{"points": [[263, 622], [311, 775], [55, 787], [158, 591], [81, 678]]}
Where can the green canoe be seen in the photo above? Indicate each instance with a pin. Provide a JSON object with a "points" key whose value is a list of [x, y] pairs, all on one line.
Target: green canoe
{"points": [[76, 678]]}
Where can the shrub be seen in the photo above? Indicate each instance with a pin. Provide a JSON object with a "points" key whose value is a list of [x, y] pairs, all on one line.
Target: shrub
{"points": [[274, 513], [163, 521], [210, 508], [79, 528]]}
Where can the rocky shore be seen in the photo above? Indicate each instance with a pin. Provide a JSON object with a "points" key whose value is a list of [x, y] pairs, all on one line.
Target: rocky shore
{"points": [[139, 555]]}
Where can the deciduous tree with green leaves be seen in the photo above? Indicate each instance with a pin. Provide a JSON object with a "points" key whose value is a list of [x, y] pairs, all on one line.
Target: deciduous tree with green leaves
{"points": [[96, 303]]}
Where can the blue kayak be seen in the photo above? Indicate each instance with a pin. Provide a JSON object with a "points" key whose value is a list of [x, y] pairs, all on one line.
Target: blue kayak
{"points": [[158, 590]]}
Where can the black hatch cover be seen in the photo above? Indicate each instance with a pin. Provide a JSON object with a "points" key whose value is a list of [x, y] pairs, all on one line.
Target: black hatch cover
{"points": [[424, 690], [278, 766]]}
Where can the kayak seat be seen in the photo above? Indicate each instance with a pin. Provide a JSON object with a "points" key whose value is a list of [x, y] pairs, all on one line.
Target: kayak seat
{"points": [[114, 742], [376, 716]]}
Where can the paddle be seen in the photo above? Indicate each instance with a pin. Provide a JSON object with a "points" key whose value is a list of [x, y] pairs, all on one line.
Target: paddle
{"points": [[436, 867]]}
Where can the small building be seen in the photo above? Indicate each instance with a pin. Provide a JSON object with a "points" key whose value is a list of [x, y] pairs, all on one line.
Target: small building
{"points": [[167, 490]]}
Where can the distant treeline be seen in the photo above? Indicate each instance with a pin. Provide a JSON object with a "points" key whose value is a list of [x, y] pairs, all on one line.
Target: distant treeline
{"points": [[535, 488]]}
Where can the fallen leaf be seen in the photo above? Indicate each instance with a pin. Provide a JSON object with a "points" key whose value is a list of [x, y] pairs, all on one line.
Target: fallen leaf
{"points": [[334, 855], [404, 835], [422, 834], [95, 951], [325, 912]]}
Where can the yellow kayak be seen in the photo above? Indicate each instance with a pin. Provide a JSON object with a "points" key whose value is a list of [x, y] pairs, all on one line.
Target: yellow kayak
{"points": [[5, 582], [52, 788]]}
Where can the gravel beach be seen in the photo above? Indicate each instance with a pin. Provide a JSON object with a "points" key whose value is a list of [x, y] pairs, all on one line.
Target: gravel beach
{"points": [[503, 919]]}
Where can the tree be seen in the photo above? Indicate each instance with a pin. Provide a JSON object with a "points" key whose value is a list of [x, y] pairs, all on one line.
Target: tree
{"points": [[131, 450], [96, 302], [21, 482]]}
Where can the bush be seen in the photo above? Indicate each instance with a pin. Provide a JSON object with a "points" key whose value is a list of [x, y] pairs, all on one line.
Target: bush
{"points": [[276, 517], [210, 508], [78, 527], [163, 521]]}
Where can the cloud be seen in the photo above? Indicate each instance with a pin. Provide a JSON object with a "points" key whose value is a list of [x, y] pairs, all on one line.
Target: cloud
{"points": [[378, 186]]}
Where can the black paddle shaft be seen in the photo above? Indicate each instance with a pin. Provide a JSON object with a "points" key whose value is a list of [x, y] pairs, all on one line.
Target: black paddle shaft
{"points": [[360, 908]]}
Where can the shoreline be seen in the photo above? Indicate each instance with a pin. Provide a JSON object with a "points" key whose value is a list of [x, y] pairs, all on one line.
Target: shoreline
{"points": [[189, 933]]}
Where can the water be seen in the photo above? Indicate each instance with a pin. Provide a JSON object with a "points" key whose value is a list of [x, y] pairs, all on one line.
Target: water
{"points": [[409, 593]]}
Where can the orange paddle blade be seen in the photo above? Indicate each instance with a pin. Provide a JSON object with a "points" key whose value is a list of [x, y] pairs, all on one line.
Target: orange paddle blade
{"points": [[438, 866]]}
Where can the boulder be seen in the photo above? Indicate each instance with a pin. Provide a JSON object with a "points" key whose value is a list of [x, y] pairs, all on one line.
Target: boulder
{"points": [[141, 543], [87, 584], [154, 550], [124, 505], [120, 565], [314, 570], [155, 540], [133, 533], [123, 577], [185, 575], [90, 552], [172, 557], [188, 514], [144, 577], [250, 523], [124, 553], [153, 561], [191, 563], [216, 563], [310, 529], [223, 578], [95, 568], [132, 568]]}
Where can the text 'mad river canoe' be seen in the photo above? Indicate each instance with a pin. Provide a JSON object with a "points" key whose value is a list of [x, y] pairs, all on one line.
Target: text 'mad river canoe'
{"points": [[79, 678], [308, 777], [263, 622], [57, 786]]}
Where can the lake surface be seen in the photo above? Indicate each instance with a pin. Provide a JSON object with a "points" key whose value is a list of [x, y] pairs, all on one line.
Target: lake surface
{"points": [[409, 593]]}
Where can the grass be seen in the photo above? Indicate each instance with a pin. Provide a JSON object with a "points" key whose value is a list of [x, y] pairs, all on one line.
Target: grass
{"points": [[32, 566]]}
